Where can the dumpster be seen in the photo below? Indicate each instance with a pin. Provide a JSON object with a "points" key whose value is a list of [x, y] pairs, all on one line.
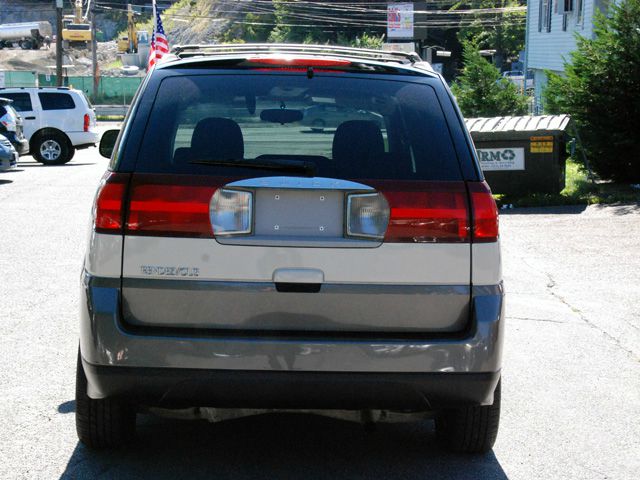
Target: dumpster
{"points": [[522, 154]]}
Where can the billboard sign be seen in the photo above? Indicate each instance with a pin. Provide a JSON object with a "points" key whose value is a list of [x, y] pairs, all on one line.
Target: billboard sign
{"points": [[400, 20], [492, 159]]}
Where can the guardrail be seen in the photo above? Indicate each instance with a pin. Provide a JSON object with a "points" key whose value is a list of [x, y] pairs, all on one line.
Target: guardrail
{"points": [[111, 110]]}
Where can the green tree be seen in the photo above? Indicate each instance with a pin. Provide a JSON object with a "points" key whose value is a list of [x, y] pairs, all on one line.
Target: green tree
{"points": [[601, 91], [502, 31], [482, 92]]}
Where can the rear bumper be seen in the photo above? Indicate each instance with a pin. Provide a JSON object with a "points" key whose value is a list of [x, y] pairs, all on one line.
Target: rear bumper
{"points": [[129, 363], [8, 160], [20, 144], [83, 139], [179, 388]]}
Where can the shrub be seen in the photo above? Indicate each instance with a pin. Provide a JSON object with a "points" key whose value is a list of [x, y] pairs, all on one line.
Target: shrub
{"points": [[482, 92], [601, 92]]}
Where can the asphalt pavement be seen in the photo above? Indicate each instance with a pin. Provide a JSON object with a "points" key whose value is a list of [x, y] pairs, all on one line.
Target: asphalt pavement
{"points": [[571, 378]]}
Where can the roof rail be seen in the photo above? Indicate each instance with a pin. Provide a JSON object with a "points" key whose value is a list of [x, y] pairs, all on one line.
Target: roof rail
{"points": [[186, 51]]}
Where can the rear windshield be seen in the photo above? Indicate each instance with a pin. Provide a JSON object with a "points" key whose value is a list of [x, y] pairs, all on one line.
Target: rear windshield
{"points": [[347, 127]]}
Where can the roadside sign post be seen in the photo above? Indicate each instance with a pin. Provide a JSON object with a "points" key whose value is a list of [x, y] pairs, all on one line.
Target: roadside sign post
{"points": [[59, 43]]}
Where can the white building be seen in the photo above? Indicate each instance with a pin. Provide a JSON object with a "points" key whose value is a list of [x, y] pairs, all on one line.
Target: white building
{"points": [[551, 28]]}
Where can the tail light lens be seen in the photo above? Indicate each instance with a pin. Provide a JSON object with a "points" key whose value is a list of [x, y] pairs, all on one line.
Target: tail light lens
{"points": [[86, 122], [485, 213], [109, 202], [231, 212], [367, 215], [426, 212], [171, 205]]}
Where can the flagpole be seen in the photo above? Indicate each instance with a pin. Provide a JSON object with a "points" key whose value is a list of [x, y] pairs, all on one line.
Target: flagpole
{"points": [[152, 50], [155, 16]]}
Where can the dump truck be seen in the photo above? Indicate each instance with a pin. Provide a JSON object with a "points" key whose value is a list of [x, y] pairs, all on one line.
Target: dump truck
{"points": [[27, 35]]}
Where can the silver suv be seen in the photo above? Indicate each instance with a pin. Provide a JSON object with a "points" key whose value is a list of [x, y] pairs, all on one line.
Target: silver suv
{"points": [[238, 259]]}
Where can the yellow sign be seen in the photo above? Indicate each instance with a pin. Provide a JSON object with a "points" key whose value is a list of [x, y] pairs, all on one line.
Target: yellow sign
{"points": [[541, 144]]}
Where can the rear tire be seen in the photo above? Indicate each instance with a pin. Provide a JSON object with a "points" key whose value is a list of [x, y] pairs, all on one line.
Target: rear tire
{"points": [[470, 429], [51, 149], [103, 423]]}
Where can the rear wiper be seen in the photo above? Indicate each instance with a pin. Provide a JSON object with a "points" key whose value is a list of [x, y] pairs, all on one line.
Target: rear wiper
{"points": [[280, 165]]}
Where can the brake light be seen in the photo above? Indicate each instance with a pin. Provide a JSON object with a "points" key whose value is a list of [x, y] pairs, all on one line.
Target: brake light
{"points": [[170, 205], [108, 205], [287, 61], [484, 212], [86, 122], [426, 212]]}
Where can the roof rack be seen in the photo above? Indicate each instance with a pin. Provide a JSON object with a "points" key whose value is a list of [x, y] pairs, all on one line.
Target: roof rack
{"points": [[186, 51]]}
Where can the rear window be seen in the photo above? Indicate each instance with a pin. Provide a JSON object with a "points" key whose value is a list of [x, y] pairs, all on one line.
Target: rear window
{"points": [[56, 101], [21, 101], [347, 127]]}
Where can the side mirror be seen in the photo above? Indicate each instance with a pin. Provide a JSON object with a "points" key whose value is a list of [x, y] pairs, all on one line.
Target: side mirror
{"points": [[107, 142]]}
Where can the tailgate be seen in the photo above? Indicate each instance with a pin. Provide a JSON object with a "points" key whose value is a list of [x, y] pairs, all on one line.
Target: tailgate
{"points": [[298, 269]]}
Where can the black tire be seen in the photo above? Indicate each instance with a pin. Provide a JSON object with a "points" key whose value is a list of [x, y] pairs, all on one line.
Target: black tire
{"points": [[470, 429], [26, 44], [104, 423], [51, 149]]}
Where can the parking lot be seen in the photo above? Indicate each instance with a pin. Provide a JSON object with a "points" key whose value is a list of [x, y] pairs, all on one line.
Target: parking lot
{"points": [[571, 378]]}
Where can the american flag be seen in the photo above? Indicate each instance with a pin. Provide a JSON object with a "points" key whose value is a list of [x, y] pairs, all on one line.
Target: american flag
{"points": [[159, 43]]}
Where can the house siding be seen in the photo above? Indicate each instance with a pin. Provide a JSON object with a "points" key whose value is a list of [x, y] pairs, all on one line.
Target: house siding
{"points": [[547, 50]]}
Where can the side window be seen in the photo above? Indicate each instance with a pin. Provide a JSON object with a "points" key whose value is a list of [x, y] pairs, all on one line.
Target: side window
{"points": [[56, 101], [21, 101]]}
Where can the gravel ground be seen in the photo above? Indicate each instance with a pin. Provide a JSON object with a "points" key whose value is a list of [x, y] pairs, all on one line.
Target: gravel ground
{"points": [[571, 388]]}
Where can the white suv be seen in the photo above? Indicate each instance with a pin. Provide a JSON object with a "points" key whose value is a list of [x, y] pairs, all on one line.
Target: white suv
{"points": [[57, 121]]}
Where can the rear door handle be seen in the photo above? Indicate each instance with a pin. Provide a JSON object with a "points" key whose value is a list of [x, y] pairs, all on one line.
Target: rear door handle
{"points": [[29, 118], [298, 275]]}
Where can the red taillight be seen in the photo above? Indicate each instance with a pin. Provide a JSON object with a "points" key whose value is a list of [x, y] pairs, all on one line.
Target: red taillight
{"points": [[426, 212], [176, 205], [109, 202], [285, 61], [485, 213], [85, 125]]}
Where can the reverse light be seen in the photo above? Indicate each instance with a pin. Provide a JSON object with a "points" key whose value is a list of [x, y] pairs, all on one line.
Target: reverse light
{"points": [[367, 215], [231, 212]]}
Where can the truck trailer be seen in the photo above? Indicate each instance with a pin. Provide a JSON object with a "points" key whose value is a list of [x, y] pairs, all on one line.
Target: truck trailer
{"points": [[28, 35]]}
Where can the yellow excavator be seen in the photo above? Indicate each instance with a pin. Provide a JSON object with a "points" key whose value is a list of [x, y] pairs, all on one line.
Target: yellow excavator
{"points": [[76, 30], [128, 43]]}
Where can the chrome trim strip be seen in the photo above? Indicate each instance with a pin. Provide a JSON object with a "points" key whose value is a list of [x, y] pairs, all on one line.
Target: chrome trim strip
{"points": [[209, 285], [302, 183]]}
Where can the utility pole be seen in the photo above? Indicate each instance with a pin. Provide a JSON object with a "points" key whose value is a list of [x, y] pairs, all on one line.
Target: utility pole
{"points": [[59, 43], [94, 53]]}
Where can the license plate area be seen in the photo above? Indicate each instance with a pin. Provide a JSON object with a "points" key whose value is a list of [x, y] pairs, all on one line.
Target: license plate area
{"points": [[305, 214], [299, 212]]}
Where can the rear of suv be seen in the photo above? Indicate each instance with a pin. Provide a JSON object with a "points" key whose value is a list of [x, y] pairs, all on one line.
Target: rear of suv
{"points": [[11, 126], [240, 259], [57, 121]]}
